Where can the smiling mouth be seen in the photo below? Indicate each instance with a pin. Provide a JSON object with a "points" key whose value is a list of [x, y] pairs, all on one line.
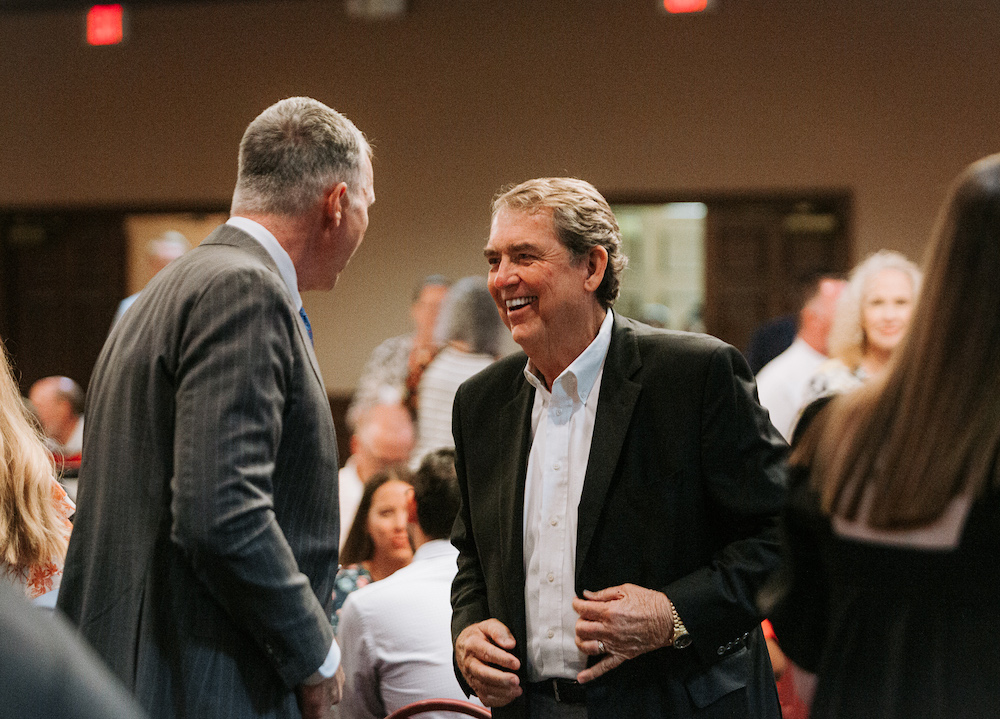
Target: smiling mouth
{"points": [[519, 302]]}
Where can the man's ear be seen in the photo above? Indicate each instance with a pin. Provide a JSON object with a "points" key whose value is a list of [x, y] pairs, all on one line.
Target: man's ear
{"points": [[335, 203], [597, 265]]}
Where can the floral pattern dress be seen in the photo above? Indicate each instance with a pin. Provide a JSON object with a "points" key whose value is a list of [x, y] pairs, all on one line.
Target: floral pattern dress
{"points": [[41, 579], [349, 579]]}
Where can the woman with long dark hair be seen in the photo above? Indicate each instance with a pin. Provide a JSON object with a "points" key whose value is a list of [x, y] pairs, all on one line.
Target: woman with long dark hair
{"points": [[379, 542], [893, 526]]}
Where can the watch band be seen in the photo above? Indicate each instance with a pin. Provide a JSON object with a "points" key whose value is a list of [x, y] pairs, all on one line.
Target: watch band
{"points": [[682, 639]]}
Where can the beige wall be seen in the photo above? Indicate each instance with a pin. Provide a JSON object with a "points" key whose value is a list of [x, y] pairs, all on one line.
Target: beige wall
{"points": [[141, 229], [887, 99]]}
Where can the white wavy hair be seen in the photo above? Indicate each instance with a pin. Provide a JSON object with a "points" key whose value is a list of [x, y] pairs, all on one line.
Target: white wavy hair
{"points": [[847, 341]]}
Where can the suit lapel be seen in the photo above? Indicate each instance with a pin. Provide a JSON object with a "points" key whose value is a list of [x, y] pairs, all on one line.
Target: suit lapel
{"points": [[511, 474], [235, 237], [310, 351], [614, 415]]}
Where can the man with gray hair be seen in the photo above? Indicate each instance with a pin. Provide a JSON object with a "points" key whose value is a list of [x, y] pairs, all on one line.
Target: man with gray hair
{"points": [[204, 552], [620, 492]]}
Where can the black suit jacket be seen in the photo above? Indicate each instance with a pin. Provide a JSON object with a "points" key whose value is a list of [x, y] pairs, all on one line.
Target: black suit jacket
{"points": [[682, 492]]}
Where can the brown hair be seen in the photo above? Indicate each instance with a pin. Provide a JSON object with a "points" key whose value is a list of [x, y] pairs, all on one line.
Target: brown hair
{"points": [[359, 547], [929, 429]]}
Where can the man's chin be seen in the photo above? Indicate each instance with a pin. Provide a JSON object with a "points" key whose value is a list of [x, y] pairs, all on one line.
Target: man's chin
{"points": [[522, 336]]}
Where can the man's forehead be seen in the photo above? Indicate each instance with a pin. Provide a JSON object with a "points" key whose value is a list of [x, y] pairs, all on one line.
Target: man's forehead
{"points": [[535, 227]]}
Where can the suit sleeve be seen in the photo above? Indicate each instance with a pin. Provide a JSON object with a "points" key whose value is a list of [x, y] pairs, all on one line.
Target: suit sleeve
{"points": [[743, 473], [468, 590], [234, 378]]}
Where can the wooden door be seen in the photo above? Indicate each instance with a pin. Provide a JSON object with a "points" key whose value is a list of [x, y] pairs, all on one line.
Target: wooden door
{"points": [[759, 252], [62, 275]]}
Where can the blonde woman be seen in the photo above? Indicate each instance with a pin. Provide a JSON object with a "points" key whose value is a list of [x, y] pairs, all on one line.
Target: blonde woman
{"points": [[34, 508], [871, 318], [893, 520]]}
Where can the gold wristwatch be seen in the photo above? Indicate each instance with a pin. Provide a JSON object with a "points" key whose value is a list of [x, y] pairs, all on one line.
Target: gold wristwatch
{"points": [[682, 639]]}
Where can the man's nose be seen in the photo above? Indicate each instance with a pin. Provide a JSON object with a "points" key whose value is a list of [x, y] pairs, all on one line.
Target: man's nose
{"points": [[504, 274]]}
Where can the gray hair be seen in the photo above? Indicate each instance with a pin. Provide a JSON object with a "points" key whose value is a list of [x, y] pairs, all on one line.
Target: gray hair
{"points": [[469, 315], [582, 218], [847, 338], [294, 151]]}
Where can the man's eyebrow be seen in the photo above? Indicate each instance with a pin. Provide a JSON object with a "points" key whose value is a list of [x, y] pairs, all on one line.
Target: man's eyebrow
{"points": [[516, 247]]}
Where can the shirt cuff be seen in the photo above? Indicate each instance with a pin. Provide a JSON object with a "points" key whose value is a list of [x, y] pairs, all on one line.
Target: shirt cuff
{"points": [[328, 668]]}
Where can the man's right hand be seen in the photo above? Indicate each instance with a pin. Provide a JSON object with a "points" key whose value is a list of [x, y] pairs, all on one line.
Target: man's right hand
{"points": [[316, 700], [482, 652]]}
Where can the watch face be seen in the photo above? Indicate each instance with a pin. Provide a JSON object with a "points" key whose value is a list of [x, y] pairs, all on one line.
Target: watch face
{"points": [[682, 641]]}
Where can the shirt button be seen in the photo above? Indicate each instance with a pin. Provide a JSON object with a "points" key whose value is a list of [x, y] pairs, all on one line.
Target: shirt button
{"points": [[551, 634], [558, 413], [551, 577], [554, 522], [556, 466]]}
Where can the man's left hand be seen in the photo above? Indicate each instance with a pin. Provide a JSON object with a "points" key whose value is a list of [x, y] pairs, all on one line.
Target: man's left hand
{"points": [[315, 700], [621, 623]]}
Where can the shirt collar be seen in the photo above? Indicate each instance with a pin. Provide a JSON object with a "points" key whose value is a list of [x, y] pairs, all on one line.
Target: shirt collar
{"points": [[281, 258], [434, 548], [585, 368]]}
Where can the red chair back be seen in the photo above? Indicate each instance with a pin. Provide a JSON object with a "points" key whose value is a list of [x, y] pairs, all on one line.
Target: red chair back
{"points": [[441, 705]]}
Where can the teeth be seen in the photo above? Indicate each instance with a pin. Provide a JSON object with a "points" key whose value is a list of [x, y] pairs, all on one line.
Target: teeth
{"points": [[519, 302]]}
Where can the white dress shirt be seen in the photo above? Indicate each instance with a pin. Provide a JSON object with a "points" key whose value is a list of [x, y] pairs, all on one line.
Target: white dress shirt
{"points": [[396, 635], [287, 271], [782, 384], [562, 423], [351, 489]]}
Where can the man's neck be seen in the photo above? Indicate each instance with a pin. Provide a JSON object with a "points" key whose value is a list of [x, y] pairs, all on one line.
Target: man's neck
{"points": [[816, 340], [292, 233], [419, 538], [552, 360]]}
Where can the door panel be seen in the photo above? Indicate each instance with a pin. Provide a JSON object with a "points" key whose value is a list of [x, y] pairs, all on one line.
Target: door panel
{"points": [[760, 252], [62, 275]]}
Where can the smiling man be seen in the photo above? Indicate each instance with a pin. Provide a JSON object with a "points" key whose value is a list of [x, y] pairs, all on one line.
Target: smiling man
{"points": [[620, 490]]}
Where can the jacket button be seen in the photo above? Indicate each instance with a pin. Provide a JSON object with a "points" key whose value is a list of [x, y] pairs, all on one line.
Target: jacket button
{"points": [[720, 651]]}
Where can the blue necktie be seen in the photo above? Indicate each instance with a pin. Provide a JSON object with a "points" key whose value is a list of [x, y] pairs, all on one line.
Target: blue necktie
{"points": [[305, 319]]}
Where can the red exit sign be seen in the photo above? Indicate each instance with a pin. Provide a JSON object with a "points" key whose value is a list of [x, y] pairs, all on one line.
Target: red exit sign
{"points": [[105, 25], [677, 7]]}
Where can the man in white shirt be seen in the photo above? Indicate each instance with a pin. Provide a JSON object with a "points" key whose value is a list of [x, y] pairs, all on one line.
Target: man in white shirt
{"points": [[783, 381], [384, 436], [395, 633], [620, 492]]}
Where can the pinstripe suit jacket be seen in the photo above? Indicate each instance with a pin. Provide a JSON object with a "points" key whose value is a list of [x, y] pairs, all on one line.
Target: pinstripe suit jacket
{"points": [[202, 561]]}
